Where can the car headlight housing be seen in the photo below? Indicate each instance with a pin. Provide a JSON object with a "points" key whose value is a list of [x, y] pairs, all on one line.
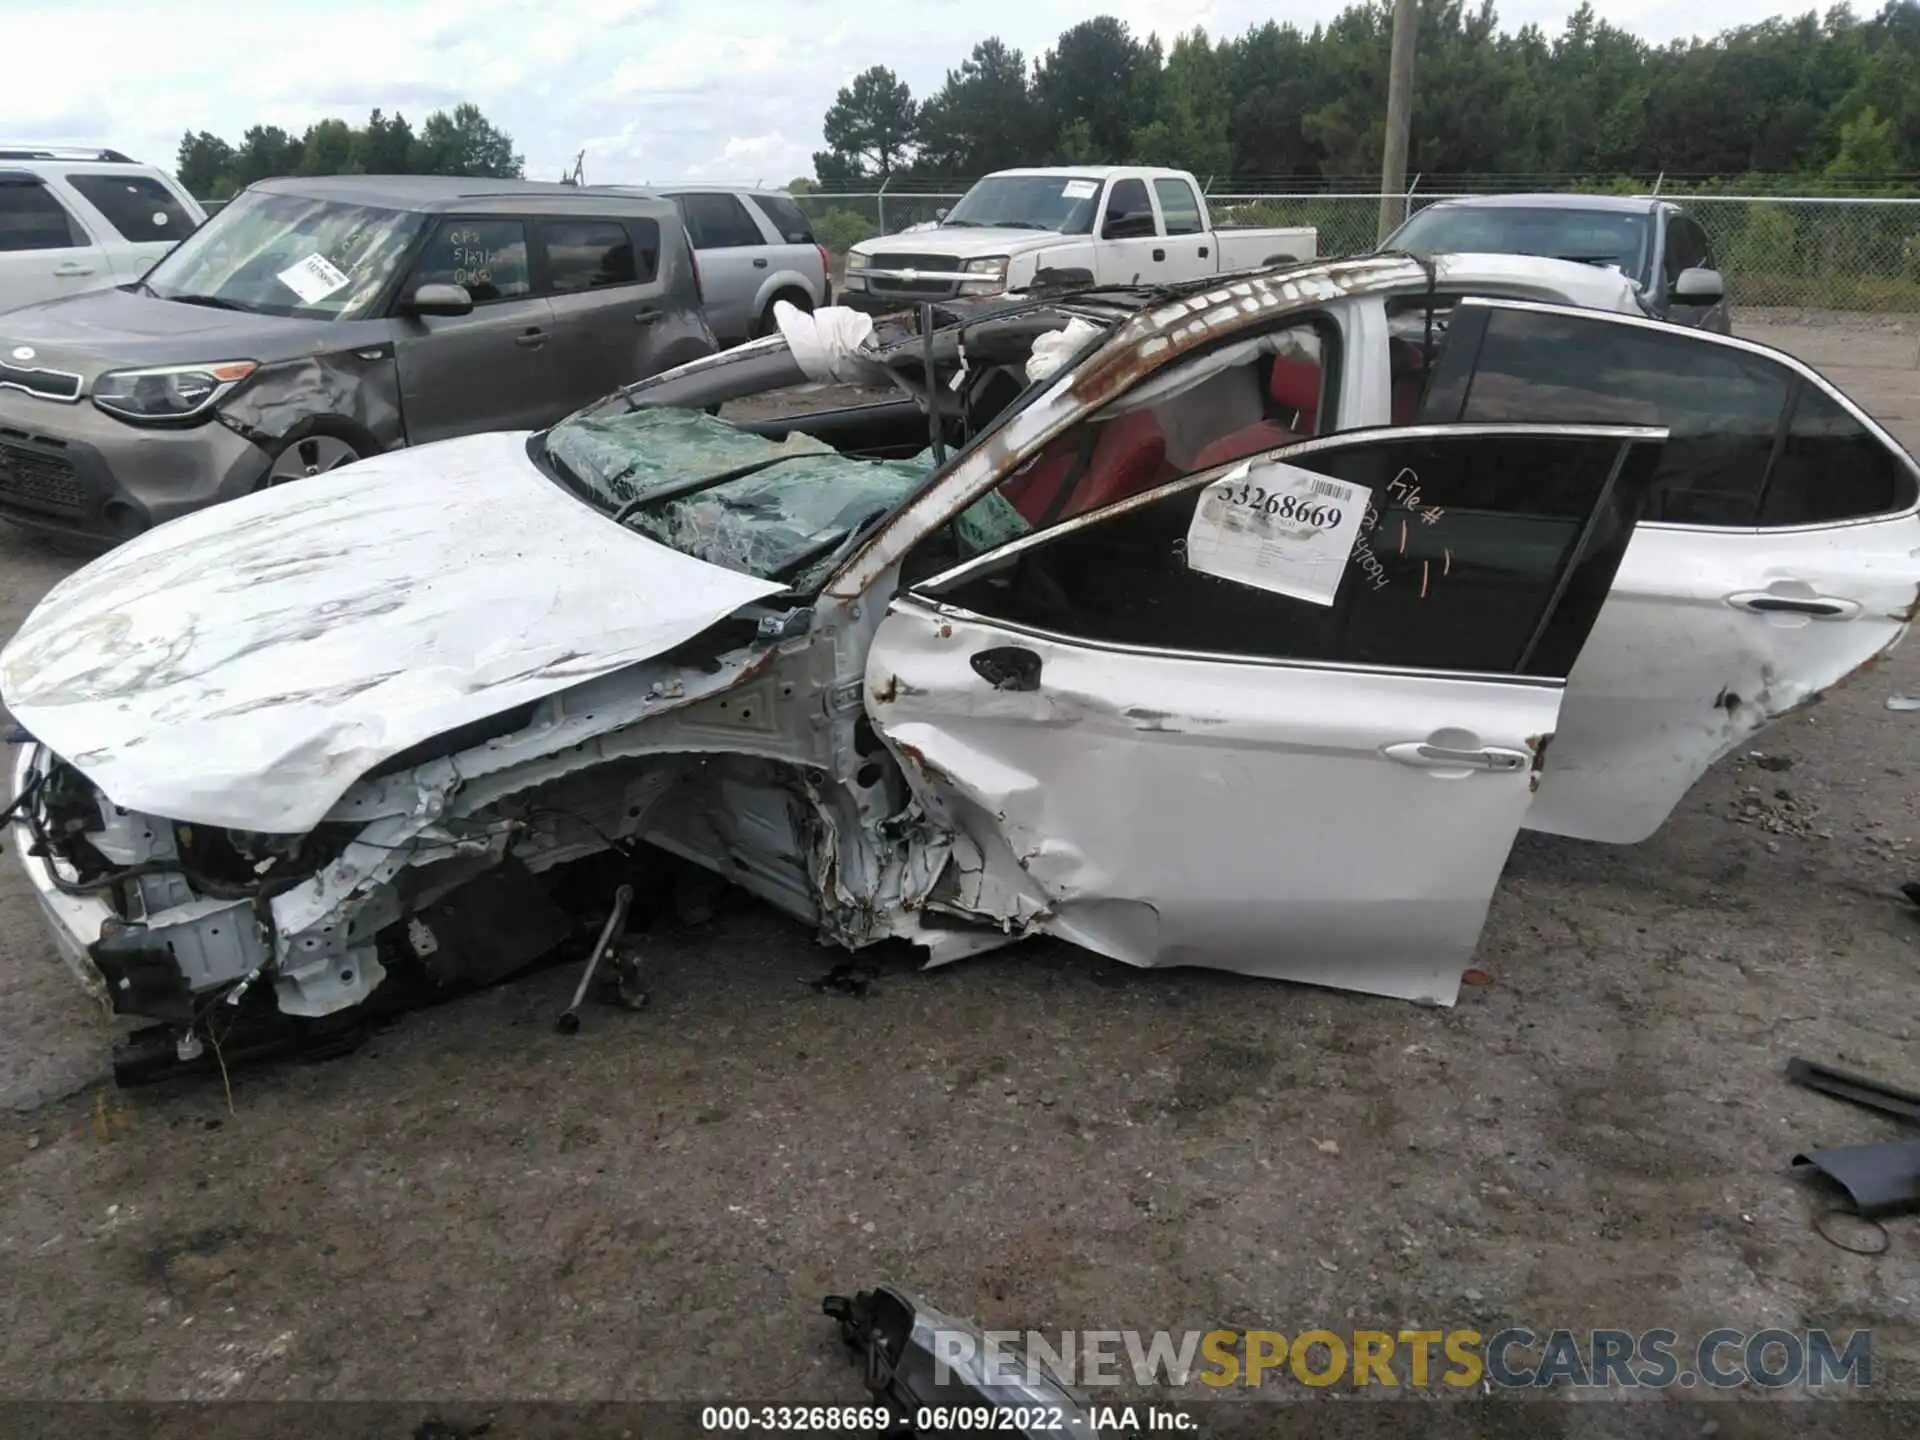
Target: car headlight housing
{"points": [[169, 392], [857, 261], [992, 270]]}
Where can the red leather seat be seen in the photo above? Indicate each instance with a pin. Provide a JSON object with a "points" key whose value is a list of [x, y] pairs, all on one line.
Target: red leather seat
{"points": [[1032, 490], [1127, 461], [1129, 457], [1249, 440], [1295, 387]]}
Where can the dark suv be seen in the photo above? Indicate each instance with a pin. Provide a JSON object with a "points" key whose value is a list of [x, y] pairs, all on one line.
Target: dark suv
{"points": [[1653, 242], [315, 321]]}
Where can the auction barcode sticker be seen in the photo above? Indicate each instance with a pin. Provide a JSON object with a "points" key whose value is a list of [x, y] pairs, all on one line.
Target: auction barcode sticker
{"points": [[1277, 527], [312, 279]]}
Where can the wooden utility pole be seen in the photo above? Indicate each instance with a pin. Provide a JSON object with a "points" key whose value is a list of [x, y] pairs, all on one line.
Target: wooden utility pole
{"points": [[1393, 164]]}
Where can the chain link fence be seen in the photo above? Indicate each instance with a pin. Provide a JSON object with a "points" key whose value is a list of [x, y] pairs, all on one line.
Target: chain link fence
{"points": [[1851, 253]]}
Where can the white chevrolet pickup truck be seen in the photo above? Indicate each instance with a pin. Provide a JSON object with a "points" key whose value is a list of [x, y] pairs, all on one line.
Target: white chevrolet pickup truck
{"points": [[1102, 224]]}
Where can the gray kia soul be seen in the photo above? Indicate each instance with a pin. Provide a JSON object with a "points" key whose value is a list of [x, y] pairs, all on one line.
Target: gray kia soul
{"points": [[315, 321]]}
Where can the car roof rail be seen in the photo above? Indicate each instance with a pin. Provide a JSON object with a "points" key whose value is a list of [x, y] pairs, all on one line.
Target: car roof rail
{"points": [[12, 151]]}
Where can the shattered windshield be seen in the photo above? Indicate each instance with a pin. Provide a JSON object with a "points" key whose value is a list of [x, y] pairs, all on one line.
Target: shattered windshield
{"points": [[782, 510], [1601, 237], [1062, 203]]}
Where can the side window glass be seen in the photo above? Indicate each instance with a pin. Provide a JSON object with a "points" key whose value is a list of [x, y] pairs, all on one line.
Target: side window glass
{"points": [[488, 257], [1832, 468], [719, 222], [1464, 546], [1129, 198], [138, 206], [1703, 247], [1178, 206], [1686, 247], [1251, 396], [1722, 405], [696, 234], [787, 218], [591, 255], [32, 218]]}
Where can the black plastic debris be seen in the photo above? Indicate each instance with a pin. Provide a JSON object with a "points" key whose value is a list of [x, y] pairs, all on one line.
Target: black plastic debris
{"points": [[1881, 1179], [921, 1362], [848, 978]]}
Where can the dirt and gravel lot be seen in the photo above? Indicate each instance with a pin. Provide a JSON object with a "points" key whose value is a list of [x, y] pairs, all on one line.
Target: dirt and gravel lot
{"points": [[475, 1207]]}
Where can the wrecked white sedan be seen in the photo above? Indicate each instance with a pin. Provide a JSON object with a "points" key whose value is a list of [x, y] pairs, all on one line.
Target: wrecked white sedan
{"points": [[1239, 625]]}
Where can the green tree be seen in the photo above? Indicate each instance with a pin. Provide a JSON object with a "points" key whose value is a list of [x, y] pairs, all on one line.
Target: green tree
{"points": [[1192, 124], [464, 143], [205, 165], [327, 148], [1866, 148], [872, 126], [383, 147], [1095, 75], [984, 118], [265, 151]]}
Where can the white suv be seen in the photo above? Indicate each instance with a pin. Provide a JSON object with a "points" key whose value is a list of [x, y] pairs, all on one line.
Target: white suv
{"points": [[74, 220]]}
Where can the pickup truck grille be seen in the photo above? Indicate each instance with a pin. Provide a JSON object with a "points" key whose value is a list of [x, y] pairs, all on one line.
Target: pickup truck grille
{"points": [[34, 479], [917, 289]]}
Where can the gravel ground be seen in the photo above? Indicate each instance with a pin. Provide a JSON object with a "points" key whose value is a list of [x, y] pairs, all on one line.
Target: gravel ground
{"points": [[475, 1207]]}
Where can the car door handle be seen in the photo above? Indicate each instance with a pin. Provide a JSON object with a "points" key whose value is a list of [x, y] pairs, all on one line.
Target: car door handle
{"points": [[1008, 667], [1771, 602], [531, 339], [70, 268], [1203, 252], [760, 263], [1427, 756], [646, 317], [1159, 254]]}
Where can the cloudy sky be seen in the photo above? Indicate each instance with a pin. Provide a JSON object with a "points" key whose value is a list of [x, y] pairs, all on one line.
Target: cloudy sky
{"points": [[655, 90]]}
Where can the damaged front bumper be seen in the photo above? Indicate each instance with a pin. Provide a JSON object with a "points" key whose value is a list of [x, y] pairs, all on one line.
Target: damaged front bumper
{"points": [[170, 945], [74, 921]]}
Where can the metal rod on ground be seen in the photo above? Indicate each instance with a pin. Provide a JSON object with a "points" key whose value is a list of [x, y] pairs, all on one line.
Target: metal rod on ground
{"points": [[570, 1017], [1393, 162]]}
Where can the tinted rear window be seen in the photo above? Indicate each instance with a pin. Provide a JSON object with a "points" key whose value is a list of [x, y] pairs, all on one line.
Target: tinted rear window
{"points": [[138, 206], [595, 254], [787, 218], [1722, 405], [32, 218]]}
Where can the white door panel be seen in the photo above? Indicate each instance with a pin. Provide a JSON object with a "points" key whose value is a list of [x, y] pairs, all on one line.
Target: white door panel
{"points": [[1275, 820], [1121, 262], [1708, 636], [1171, 760]]}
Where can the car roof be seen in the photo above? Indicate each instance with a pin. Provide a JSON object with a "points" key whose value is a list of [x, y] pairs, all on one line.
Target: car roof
{"points": [[1095, 172], [692, 188], [1554, 200], [433, 194]]}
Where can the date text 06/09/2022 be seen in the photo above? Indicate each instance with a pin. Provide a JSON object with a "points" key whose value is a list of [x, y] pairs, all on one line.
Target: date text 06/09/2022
{"points": [[939, 1419]]}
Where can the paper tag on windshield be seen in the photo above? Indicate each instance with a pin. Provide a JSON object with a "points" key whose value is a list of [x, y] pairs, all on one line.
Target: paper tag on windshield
{"points": [[313, 279], [1277, 527], [1079, 190]]}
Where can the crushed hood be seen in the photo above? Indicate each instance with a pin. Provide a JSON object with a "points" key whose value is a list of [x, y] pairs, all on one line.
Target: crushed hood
{"points": [[244, 665]]}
